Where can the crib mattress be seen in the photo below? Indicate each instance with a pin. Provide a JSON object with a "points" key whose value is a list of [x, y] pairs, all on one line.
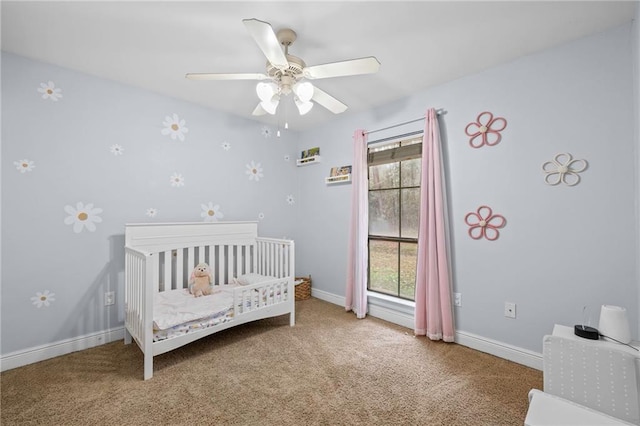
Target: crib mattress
{"points": [[177, 312]]}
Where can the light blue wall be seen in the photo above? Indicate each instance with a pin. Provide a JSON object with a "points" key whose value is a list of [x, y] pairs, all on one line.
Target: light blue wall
{"points": [[563, 247], [69, 142]]}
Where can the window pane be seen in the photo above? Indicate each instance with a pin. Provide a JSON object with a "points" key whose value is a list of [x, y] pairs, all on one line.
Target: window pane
{"points": [[410, 212], [384, 212], [383, 266], [408, 264], [384, 176], [411, 172]]}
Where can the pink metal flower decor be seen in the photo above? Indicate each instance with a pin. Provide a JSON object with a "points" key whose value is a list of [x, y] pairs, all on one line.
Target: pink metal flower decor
{"points": [[483, 223], [486, 130]]}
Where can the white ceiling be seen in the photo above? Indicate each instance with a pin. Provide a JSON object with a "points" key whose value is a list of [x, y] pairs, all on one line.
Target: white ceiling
{"points": [[153, 44]]}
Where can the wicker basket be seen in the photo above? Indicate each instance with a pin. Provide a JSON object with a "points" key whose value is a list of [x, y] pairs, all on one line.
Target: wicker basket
{"points": [[303, 290]]}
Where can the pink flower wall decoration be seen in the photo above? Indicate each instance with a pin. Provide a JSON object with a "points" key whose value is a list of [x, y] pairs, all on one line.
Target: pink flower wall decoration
{"points": [[486, 130], [483, 223]]}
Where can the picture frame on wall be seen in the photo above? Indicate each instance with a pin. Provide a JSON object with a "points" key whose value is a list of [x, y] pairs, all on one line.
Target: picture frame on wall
{"points": [[340, 171], [311, 152], [339, 174]]}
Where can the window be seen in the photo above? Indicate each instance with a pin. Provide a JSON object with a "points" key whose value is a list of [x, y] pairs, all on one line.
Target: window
{"points": [[394, 212]]}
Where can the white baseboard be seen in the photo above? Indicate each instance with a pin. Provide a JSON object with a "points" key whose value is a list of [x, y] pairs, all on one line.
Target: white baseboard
{"points": [[63, 347], [500, 349], [470, 340], [328, 297]]}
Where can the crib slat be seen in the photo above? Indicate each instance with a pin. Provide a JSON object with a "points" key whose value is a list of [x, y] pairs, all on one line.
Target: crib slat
{"points": [[254, 257], [256, 260], [208, 256], [229, 263], [246, 258], [285, 262], [166, 270], [201, 254], [190, 259], [270, 260], [221, 266], [180, 268], [238, 261]]}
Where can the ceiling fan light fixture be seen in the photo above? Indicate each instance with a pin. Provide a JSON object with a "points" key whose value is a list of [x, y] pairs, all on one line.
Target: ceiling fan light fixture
{"points": [[266, 91], [304, 91], [303, 107]]}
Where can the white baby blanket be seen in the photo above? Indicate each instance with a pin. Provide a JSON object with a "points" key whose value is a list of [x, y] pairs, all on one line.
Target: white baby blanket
{"points": [[174, 307]]}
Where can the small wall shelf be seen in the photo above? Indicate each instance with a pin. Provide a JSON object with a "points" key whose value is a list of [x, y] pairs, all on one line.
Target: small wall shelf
{"points": [[309, 160], [338, 179]]}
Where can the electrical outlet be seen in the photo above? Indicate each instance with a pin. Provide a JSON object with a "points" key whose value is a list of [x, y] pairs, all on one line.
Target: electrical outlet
{"points": [[457, 299], [109, 298], [509, 309]]}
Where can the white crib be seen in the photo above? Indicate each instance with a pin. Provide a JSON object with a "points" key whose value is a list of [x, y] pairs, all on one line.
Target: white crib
{"points": [[160, 257]]}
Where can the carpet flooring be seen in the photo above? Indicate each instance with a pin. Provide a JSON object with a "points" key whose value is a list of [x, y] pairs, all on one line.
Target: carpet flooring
{"points": [[330, 369]]}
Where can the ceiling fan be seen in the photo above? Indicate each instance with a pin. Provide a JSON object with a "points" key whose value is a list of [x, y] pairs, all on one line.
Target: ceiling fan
{"points": [[286, 74]]}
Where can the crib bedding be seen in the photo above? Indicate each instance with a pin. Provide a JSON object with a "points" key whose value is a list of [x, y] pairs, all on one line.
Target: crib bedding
{"points": [[175, 307], [177, 312], [215, 309]]}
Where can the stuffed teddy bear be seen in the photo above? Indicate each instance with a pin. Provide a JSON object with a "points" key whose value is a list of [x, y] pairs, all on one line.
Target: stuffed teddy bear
{"points": [[201, 280]]}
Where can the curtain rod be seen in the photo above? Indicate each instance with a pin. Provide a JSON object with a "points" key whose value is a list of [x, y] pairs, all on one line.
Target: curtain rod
{"points": [[438, 112]]}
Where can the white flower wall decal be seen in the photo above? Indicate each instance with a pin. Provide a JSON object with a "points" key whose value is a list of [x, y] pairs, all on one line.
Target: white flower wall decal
{"points": [[290, 199], [287, 157], [50, 91], [266, 132], [82, 217], [151, 212], [226, 146], [24, 165], [254, 170], [177, 180], [174, 127], [43, 298], [116, 149], [260, 216], [211, 213]]}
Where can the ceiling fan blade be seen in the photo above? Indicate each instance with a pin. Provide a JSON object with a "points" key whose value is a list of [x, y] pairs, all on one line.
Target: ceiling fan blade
{"points": [[263, 34], [344, 68], [214, 76], [328, 101], [259, 110]]}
